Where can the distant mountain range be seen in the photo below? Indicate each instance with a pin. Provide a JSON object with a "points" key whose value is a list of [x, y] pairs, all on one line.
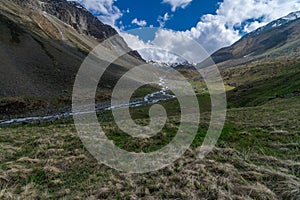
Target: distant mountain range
{"points": [[280, 37], [165, 65]]}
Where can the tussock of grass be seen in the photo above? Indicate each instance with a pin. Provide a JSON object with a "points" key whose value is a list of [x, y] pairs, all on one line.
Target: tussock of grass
{"points": [[250, 162]]}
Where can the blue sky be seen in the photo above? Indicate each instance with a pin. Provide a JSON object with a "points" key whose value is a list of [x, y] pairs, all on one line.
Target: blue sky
{"points": [[150, 10], [213, 24]]}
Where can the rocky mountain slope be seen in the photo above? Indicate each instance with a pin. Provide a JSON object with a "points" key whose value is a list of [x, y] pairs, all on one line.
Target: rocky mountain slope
{"points": [[278, 38], [42, 45], [73, 14]]}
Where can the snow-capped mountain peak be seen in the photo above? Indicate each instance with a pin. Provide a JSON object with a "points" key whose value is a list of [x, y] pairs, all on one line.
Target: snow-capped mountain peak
{"points": [[277, 23], [177, 65], [292, 16]]}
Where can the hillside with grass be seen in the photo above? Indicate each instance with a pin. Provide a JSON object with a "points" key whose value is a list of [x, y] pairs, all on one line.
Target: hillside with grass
{"points": [[279, 38], [42, 50]]}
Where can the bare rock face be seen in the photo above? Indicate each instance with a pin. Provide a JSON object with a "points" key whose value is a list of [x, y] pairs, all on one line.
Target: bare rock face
{"points": [[78, 17], [73, 14]]}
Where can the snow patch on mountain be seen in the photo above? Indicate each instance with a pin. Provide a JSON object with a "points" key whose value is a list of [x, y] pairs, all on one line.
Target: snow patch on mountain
{"points": [[292, 16], [279, 22], [168, 65]]}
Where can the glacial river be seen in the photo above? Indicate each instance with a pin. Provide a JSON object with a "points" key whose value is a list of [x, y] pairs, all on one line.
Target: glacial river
{"points": [[149, 99]]}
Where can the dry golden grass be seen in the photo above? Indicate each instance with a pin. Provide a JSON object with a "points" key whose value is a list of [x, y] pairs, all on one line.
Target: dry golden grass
{"points": [[50, 162]]}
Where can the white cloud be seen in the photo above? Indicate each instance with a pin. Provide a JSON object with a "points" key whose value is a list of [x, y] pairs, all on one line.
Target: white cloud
{"points": [[139, 22], [177, 3], [253, 26], [134, 41], [179, 43], [212, 31], [150, 50], [216, 31], [224, 28], [163, 19], [161, 49], [107, 11]]}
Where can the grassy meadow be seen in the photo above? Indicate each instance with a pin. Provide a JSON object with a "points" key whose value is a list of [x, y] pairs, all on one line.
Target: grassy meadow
{"points": [[256, 157]]}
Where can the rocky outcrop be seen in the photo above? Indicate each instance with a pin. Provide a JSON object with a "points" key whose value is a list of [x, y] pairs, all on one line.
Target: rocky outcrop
{"points": [[74, 15], [78, 17]]}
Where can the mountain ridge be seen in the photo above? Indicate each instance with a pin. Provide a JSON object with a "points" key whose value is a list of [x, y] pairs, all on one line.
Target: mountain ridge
{"points": [[70, 13], [279, 37], [277, 23]]}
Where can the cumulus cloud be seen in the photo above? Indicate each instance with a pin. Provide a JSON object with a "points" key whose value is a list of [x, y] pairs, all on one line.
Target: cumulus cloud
{"points": [[139, 22], [106, 11], [181, 48], [177, 3], [149, 50], [179, 43], [134, 41], [231, 21], [163, 19], [233, 18]]}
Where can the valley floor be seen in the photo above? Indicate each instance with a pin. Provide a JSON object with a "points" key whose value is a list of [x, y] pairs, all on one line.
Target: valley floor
{"points": [[257, 157]]}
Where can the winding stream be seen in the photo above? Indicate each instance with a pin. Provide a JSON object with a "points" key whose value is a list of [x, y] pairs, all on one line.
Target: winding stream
{"points": [[149, 99]]}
